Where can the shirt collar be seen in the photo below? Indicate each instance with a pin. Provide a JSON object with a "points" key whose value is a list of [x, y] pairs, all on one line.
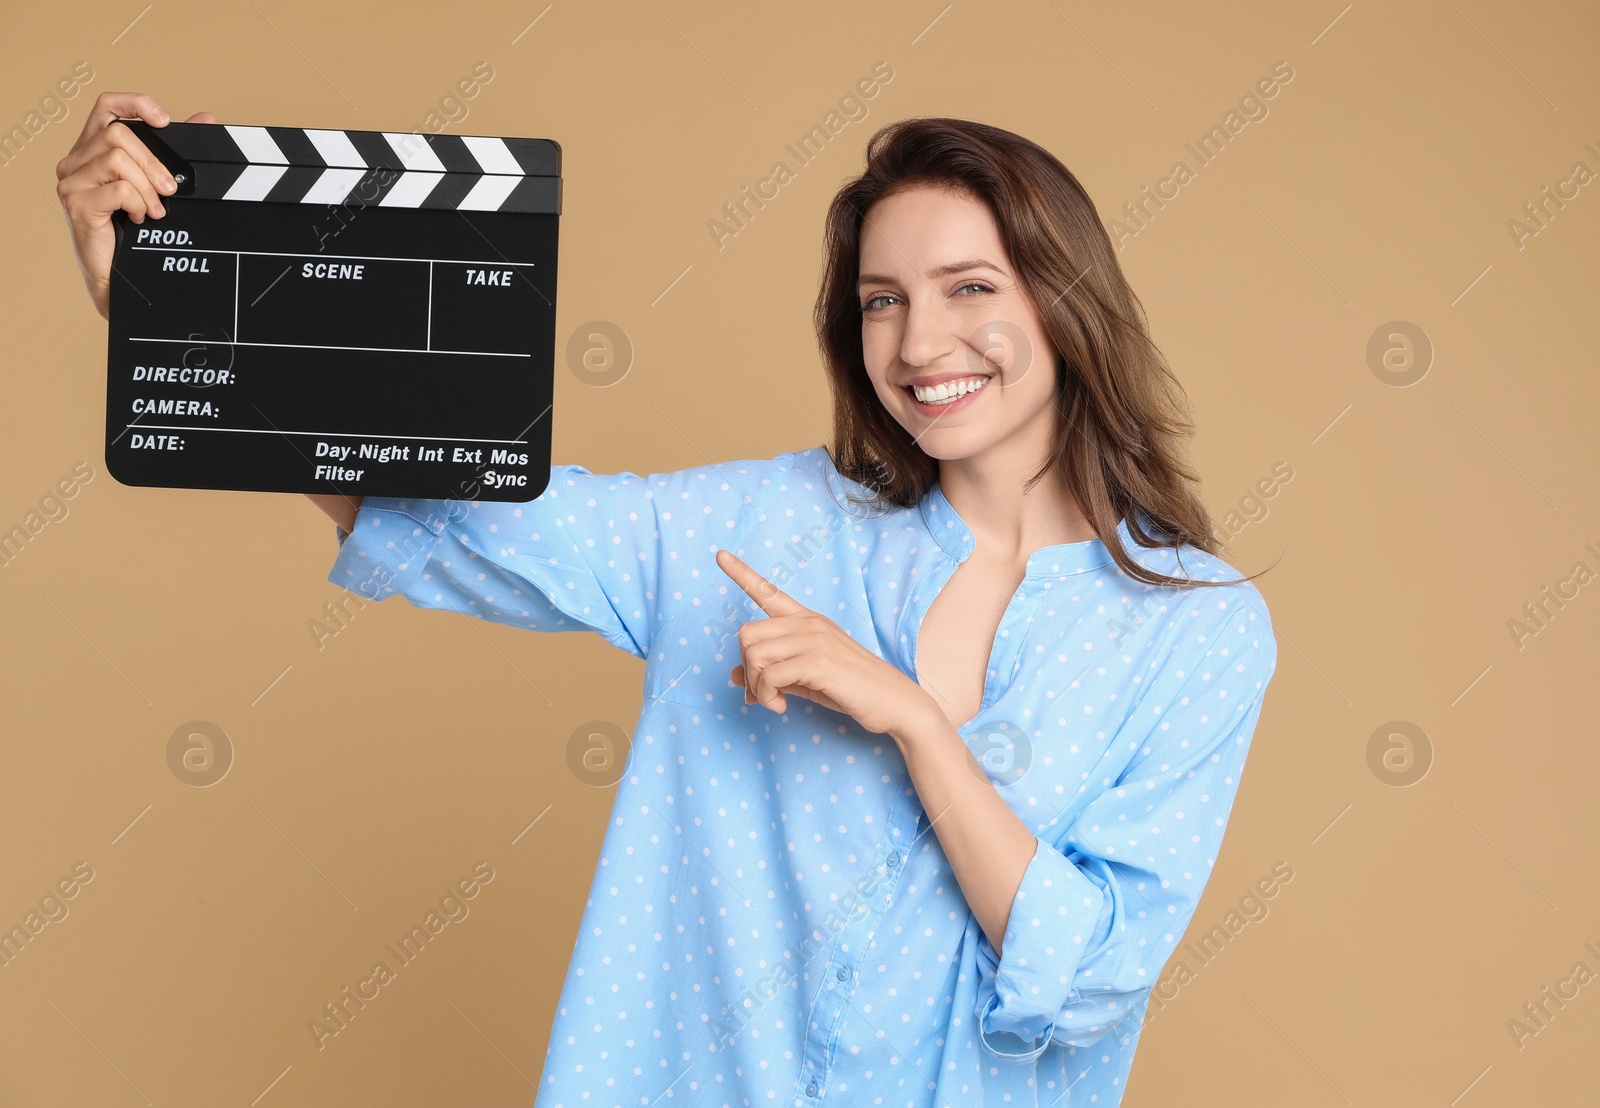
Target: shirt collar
{"points": [[955, 538]]}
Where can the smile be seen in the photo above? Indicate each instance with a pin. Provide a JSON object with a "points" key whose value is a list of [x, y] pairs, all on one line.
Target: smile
{"points": [[947, 394]]}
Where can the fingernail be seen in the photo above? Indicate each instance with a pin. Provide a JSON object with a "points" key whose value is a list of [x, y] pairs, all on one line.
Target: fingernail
{"points": [[168, 182]]}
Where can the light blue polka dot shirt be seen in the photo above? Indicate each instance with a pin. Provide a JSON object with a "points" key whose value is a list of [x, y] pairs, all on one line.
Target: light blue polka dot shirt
{"points": [[772, 920]]}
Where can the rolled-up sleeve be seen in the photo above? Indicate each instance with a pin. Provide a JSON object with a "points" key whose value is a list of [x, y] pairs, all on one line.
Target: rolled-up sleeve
{"points": [[1105, 899], [593, 552]]}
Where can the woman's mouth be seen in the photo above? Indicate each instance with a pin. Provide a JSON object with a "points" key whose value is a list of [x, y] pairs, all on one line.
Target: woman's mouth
{"points": [[947, 396]]}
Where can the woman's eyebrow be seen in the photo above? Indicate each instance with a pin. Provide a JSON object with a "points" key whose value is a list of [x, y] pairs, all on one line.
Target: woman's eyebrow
{"points": [[941, 271]]}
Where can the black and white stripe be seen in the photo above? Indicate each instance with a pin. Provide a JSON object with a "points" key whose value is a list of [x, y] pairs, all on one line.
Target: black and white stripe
{"points": [[388, 169]]}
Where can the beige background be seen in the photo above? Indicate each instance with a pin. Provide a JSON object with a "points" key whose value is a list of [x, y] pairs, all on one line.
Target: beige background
{"points": [[372, 773]]}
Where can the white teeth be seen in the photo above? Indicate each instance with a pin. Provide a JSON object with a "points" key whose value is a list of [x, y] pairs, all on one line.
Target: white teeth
{"points": [[946, 391]]}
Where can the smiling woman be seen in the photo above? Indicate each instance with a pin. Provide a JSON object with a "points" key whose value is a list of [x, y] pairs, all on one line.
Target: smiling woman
{"points": [[1001, 546], [809, 887], [972, 233]]}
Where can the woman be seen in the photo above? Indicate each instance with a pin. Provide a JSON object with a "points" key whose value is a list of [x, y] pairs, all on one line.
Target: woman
{"points": [[1001, 564]]}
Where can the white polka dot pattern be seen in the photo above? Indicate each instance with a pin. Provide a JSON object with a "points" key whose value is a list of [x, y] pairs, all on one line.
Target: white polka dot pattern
{"points": [[771, 920]]}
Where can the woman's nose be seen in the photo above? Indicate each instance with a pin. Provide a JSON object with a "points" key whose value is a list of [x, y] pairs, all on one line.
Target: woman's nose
{"points": [[928, 335]]}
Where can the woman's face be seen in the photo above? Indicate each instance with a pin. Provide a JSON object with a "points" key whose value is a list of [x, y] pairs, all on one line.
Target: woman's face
{"points": [[943, 307]]}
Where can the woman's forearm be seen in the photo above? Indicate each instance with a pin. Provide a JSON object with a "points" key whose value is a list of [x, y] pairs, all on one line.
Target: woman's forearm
{"points": [[989, 848], [341, 509]]}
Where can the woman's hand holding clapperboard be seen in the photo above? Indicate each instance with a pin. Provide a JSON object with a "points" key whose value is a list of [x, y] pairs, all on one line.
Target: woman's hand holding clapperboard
{"points": [[108, 170]]}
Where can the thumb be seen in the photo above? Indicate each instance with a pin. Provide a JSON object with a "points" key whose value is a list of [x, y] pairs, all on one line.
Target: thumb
{"points": [[201, 117]]}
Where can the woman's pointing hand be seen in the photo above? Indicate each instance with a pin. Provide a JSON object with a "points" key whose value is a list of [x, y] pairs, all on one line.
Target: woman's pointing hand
{"points": [[801, 652]]}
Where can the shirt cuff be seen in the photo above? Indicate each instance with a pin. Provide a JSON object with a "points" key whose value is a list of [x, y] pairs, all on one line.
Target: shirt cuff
{"points": [[1054, 920], [389, 547]]}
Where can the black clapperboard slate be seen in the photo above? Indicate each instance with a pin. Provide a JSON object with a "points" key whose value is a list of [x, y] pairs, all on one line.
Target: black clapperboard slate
{"points": [[331, 311]]}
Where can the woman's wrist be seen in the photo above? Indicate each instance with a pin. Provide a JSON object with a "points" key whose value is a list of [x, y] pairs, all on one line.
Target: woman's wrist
{"points": [[921, 719], [341, 509]]}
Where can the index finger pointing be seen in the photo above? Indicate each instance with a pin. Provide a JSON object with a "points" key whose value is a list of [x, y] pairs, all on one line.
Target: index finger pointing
{"points": [[768, 597]]}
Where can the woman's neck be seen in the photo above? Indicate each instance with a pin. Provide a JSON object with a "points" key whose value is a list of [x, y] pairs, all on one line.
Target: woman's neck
{"points": [[1007, 521]]}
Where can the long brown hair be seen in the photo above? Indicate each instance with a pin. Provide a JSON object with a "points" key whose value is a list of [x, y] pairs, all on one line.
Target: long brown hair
{"points": [[1122, 413]]}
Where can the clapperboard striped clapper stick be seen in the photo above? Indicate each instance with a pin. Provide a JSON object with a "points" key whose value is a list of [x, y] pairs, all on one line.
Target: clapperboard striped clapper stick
{"points": [[356, 312]]}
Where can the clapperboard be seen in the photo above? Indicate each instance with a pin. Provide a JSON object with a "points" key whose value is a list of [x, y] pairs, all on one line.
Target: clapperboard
{"points": [[353, 312]]}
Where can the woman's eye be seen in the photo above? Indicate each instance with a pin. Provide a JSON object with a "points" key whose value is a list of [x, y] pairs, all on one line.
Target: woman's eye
{"points": [[873, 303]]}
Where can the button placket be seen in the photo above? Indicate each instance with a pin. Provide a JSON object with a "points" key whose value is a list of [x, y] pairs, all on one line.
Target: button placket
{"points": [[1009, 638], [876, 891]]}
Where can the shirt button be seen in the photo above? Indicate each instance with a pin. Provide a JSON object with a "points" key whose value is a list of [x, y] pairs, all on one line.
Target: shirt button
{"points": [[811, 1089], [842, 974], [894, 859]]}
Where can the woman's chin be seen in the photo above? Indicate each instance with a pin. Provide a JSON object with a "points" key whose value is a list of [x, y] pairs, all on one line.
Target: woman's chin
{"points": [[953, 443]]}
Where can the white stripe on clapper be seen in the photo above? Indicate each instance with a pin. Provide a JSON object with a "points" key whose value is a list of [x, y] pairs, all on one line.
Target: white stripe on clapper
{"points": [[255, 182], [410, 190], [333, 186], [489, 193], [335, 148], [257, 145], [414, 151], [492, 154]]}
